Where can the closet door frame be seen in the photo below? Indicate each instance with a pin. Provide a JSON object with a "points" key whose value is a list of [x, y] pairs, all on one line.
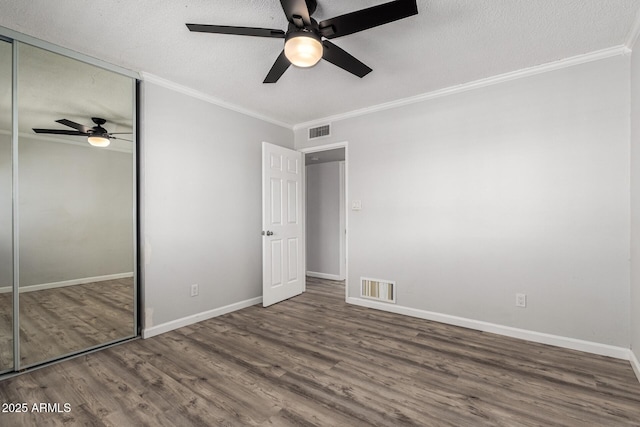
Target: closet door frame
{"points": [[15, 39]]}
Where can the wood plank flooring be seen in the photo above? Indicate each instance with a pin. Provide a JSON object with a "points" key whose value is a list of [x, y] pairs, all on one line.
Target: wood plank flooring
{"points": [[55, 322], [314, 360]]}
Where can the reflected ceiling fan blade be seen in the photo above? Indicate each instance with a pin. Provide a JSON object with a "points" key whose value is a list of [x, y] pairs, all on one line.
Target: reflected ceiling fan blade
{"points": [[278, 69], [367, 18], [240, 31], [60, 132], [121, 139], [344, 60], [120, 133], [74, 125], [297, 12]]}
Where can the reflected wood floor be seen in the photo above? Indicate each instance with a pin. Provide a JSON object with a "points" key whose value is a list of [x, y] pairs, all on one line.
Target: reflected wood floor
{"points": [[313, 360], [55, 322]]}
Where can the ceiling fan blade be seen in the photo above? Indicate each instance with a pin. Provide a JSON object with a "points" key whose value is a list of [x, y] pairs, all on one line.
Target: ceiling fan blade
{"points": [[296, 10], [121, 139], [74, 125], [240, 31], [344, 60], [278, 69], [60, 132], [367, 18]]}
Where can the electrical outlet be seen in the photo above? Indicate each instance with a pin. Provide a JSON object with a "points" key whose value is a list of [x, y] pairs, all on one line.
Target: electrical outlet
{"points": [[521, 300], [194, 290]]}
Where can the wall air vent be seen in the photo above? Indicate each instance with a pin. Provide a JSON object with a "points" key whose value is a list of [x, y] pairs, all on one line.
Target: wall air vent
{"points": [[380, 290], [320, 131]]}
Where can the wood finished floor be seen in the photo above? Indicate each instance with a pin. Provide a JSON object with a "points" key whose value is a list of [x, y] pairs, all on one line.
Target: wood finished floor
{"points": [[313, 360], [55, 322]]}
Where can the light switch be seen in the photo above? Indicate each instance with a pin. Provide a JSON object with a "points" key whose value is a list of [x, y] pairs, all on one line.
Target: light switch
{"points": [[356, 205]]}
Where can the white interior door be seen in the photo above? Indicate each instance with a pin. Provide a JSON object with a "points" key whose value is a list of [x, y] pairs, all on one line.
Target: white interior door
{"points": [[282, 234]]}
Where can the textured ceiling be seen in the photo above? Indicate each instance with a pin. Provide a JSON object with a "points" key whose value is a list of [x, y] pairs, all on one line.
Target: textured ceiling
{"points": [[52, 87], [448, 43]]}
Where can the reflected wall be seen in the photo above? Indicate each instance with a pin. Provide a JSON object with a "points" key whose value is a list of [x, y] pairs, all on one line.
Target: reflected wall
{"points": [[6, 208]]}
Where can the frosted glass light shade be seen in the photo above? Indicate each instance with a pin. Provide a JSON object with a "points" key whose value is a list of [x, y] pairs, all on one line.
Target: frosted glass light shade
{"points": [[303, 49], [99, 141]]}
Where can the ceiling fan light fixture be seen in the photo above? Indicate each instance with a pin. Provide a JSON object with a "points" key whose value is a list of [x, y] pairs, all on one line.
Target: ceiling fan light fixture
{"points": [[98, 140], [303, 48]]}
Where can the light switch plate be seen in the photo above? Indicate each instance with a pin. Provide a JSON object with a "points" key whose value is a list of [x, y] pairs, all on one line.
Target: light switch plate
{"points": [[356, 205]]}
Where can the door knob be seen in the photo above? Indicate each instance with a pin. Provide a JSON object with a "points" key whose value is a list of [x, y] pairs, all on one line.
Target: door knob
{"points": [[268, 233]]}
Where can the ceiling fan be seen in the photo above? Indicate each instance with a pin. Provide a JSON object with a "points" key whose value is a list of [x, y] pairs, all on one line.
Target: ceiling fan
{"points": [[97, 135], [306, 40]]}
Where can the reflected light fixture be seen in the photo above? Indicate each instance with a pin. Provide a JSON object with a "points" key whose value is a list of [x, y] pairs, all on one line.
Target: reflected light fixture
{"points": [[99, 140], [303, 48]]}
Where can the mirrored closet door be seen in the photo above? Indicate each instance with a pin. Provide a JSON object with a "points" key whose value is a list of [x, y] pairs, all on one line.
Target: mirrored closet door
{"points": [[74, 215], [6, 207]]}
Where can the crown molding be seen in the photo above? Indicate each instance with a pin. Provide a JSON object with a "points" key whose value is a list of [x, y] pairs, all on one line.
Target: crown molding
{"points": [[634, 32], [147, 77], [477, 84]]}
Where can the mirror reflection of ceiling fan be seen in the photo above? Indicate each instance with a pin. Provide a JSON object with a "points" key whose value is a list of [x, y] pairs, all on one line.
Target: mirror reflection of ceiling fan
{"points": [[96, 135], [306, 39]]}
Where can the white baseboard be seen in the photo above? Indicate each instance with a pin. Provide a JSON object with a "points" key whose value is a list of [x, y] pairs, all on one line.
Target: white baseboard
{"points": [[199, 317], [81, 281], [324, 275], [635, 364], [539, 337]]}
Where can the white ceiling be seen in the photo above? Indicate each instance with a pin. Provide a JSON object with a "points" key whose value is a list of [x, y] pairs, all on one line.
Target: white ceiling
{"points": [[450, 42]]}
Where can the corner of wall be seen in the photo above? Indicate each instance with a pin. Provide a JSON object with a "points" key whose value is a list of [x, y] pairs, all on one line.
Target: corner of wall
{"points": [[632, 37], [635, 363]]}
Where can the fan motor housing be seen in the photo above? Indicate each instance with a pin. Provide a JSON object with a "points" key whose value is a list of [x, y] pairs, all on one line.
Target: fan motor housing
{"points": [[307, 41]]}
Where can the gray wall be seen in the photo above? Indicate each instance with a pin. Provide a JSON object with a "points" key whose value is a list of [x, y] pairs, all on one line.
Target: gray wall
{"points": [[522, 186], [635, 200], [323, 218], [75, 208], [202, 204]]}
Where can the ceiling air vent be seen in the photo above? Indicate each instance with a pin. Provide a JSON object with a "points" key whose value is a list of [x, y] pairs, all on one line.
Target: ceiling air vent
{"points": [[320, 131]]}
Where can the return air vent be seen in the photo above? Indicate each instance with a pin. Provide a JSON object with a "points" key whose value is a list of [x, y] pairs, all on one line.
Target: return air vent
{"points": [[381, 290], [320, 131]]}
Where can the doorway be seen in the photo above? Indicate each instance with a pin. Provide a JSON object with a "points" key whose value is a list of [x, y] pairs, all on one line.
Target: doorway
{"points": [[326, 212]]}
